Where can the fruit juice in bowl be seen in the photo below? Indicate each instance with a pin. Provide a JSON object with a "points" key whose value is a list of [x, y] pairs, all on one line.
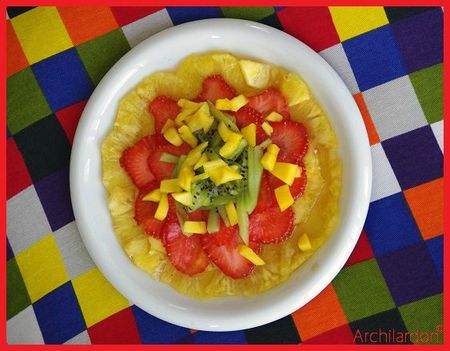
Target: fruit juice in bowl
{"points": [[223, 176]]}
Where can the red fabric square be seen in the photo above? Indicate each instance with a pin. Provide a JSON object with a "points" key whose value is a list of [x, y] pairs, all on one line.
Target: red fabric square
{"points": [[120, 328], [18, 177], [362, 252], [69, 117], [311, 25], [125, 15], [340, 335]]}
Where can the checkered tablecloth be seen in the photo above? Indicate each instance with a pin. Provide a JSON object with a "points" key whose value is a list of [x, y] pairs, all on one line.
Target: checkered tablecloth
{"points": [[391, 61]]}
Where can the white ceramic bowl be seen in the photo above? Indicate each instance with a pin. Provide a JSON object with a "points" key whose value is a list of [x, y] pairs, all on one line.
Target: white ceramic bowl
{"points": [[164, 51]]}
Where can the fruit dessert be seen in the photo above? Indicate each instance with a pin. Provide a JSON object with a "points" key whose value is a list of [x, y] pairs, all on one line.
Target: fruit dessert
{"points": [[223, 176]]}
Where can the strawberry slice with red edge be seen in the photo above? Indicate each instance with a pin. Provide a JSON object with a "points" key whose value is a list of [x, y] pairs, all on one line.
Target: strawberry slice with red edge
{"points": [[270, 100], [292, 139], [185, 253], [271, 226], [144, 212], [298, 186], [160, 169], [222, 249], [163, 108], [134, 161], [215, 87], [247, 115], [266, 198]]}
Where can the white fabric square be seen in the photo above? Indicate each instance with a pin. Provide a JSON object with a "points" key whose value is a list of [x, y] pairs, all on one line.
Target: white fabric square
{"points": [[80, 339], [384, 182], [438, 131], [23, 328]]}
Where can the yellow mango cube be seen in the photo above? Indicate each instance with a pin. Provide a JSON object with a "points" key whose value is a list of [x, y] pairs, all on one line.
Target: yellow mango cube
{"points": [[172, 136], [249, 133], [231, 145], [201, 119], [163, 208], [185, 177], [226, 174], [250, 255], [274, 117], [203, 159], [199, 177], [169, 186], [285, 172], [212, 165], [194, 227], [184, 198], [267, 128], [154, 195], [284, 197], [169, 124], [270, 157], [224, 131], [187, 136], [238, 102], [303, 243], [223, 104], [195, 154], [231, 213]]}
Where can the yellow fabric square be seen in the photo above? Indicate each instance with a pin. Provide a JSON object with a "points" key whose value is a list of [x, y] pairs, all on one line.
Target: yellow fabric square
{"points": [[353, 21], [97, 297], [41, 33], [42, 267]]}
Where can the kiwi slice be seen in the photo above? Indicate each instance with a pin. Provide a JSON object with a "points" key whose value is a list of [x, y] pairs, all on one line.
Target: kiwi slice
{"points": [[223, 117], [253, 180], [213, 221]]}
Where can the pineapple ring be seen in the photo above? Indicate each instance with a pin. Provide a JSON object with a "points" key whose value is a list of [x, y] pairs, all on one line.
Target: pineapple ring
{"points": [[316, 212]]}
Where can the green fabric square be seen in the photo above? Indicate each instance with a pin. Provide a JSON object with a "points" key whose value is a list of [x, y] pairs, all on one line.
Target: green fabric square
{"points": [[26, 103], [100, 54], [362, 290], [424, 317], [428, 86], [252, 13], [16, 292]]}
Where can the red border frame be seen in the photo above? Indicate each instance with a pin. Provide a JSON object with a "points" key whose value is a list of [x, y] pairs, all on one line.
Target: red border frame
{"points": [[3, 344]]}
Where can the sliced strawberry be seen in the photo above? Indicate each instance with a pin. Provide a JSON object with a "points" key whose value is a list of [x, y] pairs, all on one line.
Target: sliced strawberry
{"points": [[271, 225], [297, 188], [134, 161], [160, 169], [292, 139], [226, 255], [247, 115], [266, 198], [224, 235], [185, 253], [215, 87], [269, 101], [162, 109], [144, 212]]}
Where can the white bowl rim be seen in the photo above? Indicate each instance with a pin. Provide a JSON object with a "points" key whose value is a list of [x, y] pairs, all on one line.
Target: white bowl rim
{"points": [[89, 198]]}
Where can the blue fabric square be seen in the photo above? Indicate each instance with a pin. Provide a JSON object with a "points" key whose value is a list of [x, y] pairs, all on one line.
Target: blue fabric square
{"points": [[415, 157], [155, 331], [63, 79], [374, 57], [390, 225], [409, 273], [9, 251], [435, 246], [59, 315], [54, 193], [236, 337], [420, 39], [185, 14]]}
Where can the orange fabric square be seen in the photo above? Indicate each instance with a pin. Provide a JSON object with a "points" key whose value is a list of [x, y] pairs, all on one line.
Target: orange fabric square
{"points": [[85, 23], [319, 315], [15, 60], [370, 127], [426, 202]]}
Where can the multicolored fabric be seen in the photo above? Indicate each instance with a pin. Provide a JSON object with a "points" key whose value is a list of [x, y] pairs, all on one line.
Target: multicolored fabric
{"points": [[391, 61]]}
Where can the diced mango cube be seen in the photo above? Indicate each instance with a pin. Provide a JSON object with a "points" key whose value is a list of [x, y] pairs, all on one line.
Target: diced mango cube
{"points": [[270, 157], [267, 128], [224, 131], [173, 137], [212, 165], [274, 117], [199, 177], [227, 174], [285, 172], [256, 74], [231, 213], [194, 227], [249, 133], [201, 119], [184, 198], [163, 208], [223, 104], [195, 154], [187, 136], [203, 159], [185, 177], [284, 197], [231, 145], [169, 124], [231, 105], [303, 243], [169, 186], [154, 195], [250, 255]]}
